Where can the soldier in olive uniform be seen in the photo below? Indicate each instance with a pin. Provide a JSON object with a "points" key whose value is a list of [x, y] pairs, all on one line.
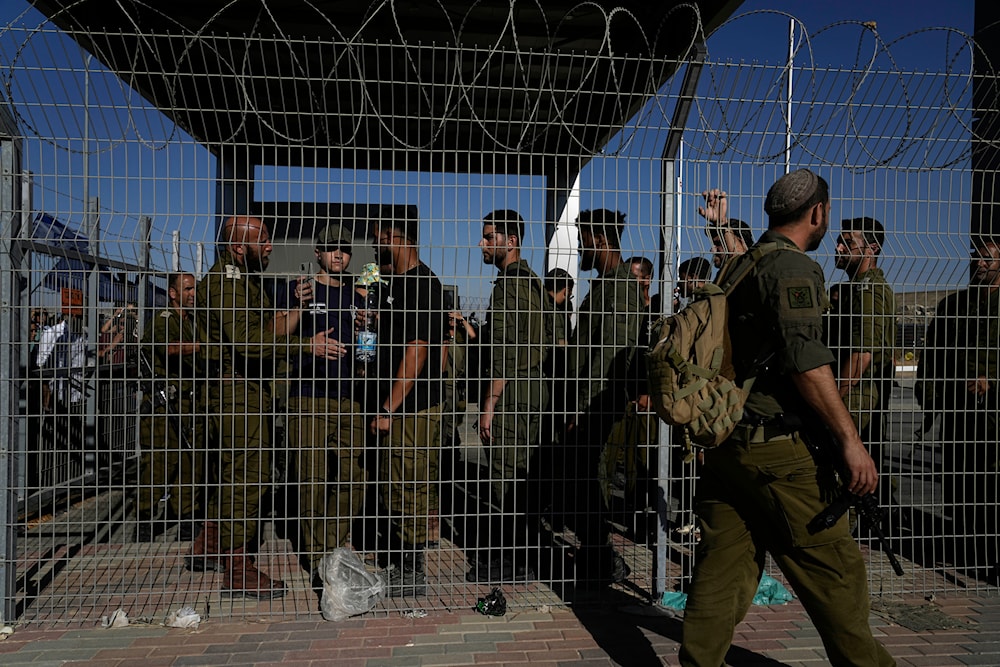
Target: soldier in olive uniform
{"points": [[516, 340], [862, 331], [171, 437], [759, 490], [958, 378], [239, 341], [603, 365]]}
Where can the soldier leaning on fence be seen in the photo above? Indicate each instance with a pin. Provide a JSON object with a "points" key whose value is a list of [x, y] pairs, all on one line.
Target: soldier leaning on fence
{"points": [[515, 343], [730, 237], [239, 343], [408, 402], [171, 436], [862, 333], [326, 429], [602, 360], [759, 489], [958, 375]]}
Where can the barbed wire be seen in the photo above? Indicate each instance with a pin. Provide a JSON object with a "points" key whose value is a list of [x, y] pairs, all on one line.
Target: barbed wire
{"points": [[750, 126]]}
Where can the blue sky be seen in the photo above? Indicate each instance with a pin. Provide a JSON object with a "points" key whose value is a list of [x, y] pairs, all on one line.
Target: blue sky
{"points": [[148, 168]]}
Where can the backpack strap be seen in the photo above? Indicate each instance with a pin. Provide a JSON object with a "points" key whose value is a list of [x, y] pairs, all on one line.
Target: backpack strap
{"points": [[735, 272]]}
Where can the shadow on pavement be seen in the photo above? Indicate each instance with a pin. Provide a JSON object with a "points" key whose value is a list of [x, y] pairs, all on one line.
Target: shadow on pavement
{"points": [[629, 633]]}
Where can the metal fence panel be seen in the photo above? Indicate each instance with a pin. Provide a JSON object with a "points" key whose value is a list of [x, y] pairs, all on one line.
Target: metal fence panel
{"points": [[112, 496]]}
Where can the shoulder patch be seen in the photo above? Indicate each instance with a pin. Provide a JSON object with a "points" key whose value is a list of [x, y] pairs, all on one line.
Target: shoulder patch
{"points": [[233, 272], [800, 296], [165, 314]]}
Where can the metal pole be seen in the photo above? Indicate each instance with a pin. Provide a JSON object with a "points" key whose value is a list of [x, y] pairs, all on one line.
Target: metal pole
{"points": [[91, 380], [145, 227], [788, 96], [199, 260], [93, 282], [175, 251], [11, 341], [670, 221]]}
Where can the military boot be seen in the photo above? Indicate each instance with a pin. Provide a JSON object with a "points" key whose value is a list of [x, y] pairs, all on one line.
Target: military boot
{"points": [[405, 576], [244, 579], [205, 554]]}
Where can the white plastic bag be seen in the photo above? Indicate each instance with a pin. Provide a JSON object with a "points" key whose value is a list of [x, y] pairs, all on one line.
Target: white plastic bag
{"points": [[348, 587], [185, 617]]}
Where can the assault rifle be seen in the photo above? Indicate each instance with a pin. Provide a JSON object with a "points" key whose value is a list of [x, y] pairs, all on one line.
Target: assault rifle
{"points": [[867, 506], [868, 509], [161, 394]]}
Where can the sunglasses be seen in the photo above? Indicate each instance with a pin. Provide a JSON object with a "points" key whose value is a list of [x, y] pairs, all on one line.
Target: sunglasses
{"points": [[334, 248]]}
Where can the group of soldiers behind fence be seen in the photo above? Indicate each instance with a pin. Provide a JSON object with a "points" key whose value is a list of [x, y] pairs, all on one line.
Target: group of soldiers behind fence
{"points": [[373, 460], [371, 456]]}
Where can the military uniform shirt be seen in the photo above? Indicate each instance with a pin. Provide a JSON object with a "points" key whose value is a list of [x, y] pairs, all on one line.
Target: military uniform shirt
{"points": [[864, 320], [603, 346], [776, 327], [167, 328], [235, 323], [518, 336], [963, 343]]}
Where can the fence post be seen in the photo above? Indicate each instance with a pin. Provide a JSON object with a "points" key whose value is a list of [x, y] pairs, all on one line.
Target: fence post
{"points": [[669, 220], [10, 367]]}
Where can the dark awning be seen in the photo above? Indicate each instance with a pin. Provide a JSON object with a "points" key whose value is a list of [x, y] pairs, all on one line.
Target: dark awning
{"points": [[72, 273]]}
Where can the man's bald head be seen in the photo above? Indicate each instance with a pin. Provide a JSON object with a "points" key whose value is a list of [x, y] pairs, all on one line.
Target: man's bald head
{"points": [[249, 241], [238, 228]]}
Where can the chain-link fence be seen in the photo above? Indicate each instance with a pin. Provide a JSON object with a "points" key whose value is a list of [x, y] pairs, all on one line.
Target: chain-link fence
{"points": [[169, 383]]}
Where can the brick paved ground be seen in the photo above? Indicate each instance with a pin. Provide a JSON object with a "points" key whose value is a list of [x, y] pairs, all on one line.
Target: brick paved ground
{"points": [[630, 635]]}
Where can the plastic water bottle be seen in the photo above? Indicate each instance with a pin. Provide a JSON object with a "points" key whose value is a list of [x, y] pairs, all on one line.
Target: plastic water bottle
{"points": [[367, 340]]}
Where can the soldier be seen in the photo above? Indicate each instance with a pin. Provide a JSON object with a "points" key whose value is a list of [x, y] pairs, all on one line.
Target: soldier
{"points": [[958, 379], [602, 363], [172, 439], [642, 269], [760, 489], [411, 335], [239, 342], [326, 429], [516, 342], [559, 286], [862, 331], [692, 274], [730, 237]]}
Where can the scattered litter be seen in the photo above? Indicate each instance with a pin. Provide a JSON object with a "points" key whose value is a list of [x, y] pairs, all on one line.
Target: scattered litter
{"points": [[119, 619], [185, 617], [494, 604], [348, 587], [674, 599], [769, 591], [6, 631], [414, 613], [545, 609]]}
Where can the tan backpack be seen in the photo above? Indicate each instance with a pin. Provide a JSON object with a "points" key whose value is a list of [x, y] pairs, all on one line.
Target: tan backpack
{"points": [[691, 376]]}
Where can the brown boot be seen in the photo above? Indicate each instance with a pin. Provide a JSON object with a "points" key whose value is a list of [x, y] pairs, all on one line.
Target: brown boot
{"points": [[205, 554], [243, 578]]}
